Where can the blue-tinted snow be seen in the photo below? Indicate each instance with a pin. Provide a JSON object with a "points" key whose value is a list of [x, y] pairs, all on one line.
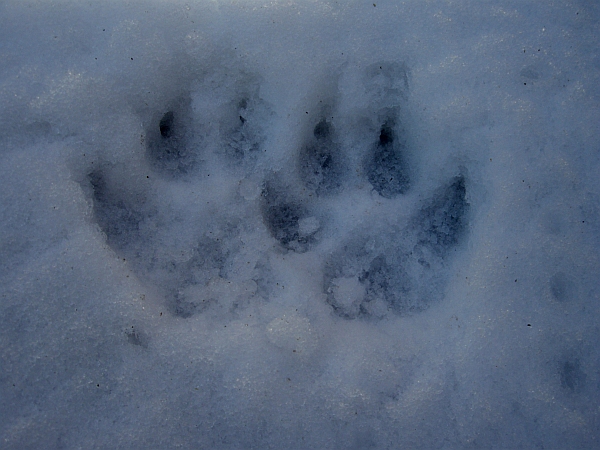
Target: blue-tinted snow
{"points": [[308, 224]]}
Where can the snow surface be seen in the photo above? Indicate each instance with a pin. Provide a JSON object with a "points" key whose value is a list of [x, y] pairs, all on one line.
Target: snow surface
{"points": [[299, 224]]}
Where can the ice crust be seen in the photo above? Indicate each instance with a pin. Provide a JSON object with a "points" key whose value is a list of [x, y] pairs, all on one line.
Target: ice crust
{"points": [[311, 224]]}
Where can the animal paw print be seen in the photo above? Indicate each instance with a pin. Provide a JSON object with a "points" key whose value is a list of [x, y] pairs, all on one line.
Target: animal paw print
{"points": [[177, 236], [400, 270]]}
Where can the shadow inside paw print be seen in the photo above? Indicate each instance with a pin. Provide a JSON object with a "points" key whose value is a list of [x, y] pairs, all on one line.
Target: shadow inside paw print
{"points": [[241, 135], [170, 146], [386, 168], [321, 161], [402, 270], [132, 226], [189, 253], [287, 216]]}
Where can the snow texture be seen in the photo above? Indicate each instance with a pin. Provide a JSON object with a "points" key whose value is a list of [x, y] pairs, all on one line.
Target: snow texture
{"points": [[299, 224]]}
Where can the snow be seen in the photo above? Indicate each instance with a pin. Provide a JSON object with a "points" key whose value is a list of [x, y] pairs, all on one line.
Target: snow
{"points": [[299, 224]]}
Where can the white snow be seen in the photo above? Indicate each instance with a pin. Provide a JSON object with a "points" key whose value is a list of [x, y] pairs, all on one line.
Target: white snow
{"points": [[299, 224]]}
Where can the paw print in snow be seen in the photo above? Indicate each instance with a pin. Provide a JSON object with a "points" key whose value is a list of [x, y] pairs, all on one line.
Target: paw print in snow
{"points": [[190, 233]]}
